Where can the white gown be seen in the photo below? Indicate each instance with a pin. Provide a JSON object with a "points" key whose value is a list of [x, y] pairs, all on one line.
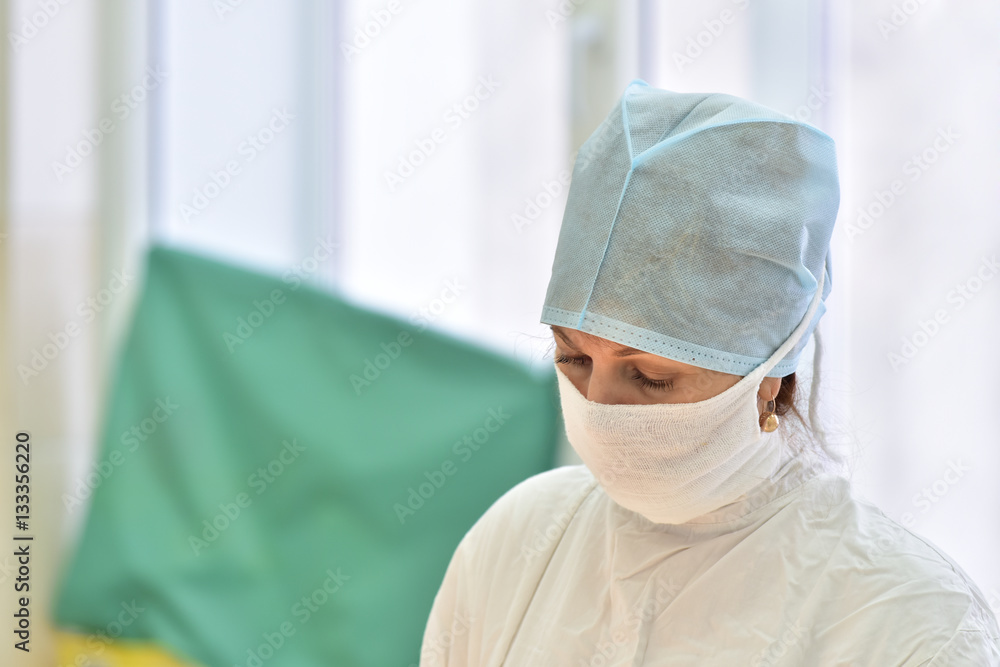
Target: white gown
{"points": [[799, 572]]}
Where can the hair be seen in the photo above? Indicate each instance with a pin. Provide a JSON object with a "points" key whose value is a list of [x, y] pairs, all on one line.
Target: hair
{"points": [[802, 434]]}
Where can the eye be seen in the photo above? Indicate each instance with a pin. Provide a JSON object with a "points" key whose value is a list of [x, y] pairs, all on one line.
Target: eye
{"points": [[648, 383], [564, 359], [663, 385]]}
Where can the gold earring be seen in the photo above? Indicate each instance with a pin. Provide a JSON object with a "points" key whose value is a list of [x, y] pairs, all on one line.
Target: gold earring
{"points": [[769, 419]]}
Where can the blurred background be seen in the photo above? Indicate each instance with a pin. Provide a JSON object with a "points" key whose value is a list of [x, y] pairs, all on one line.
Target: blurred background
{"points": [[413, 159]]}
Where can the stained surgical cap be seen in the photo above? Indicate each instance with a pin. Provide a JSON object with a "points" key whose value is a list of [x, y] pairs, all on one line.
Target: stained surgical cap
{"points": [[695, 228]]}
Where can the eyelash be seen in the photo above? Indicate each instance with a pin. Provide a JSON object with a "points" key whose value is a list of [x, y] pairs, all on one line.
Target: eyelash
{"points": [[663, 385]]}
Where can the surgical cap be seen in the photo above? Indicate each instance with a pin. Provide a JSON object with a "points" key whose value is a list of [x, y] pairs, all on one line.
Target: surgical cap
{"points": [[695, 228]]}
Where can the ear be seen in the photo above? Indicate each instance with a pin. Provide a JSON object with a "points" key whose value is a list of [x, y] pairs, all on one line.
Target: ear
{"points": [[769, 388]]}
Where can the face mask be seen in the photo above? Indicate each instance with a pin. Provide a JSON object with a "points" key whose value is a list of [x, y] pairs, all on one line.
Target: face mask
{"points": [[672, 462]]}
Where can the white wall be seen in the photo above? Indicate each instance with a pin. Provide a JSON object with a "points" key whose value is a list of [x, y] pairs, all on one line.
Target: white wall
{"points": [[936, 71], [925, 433]]}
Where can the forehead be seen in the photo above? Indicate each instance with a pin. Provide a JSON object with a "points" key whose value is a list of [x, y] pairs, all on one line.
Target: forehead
{"points": [[580, 341], [577, 338]]}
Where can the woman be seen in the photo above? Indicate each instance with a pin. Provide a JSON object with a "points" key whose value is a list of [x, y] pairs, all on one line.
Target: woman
{"points": [[691, 268]]}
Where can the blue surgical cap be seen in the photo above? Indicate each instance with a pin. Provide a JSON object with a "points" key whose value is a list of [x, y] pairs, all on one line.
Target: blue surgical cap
{"points": [[695, 228]]}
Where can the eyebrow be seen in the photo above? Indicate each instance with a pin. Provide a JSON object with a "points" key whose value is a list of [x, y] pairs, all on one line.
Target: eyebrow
{"points": [[622, 352]]}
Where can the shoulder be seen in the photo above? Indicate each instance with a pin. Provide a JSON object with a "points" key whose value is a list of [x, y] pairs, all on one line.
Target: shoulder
{"points": [[538, 499], [973, 644], [861, 540], [551, 490], [892, 582], [541, 504], [901, 555], [496, 567]]}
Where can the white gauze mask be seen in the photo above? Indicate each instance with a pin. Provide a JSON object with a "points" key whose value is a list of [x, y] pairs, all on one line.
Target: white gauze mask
{"points": [[672, 462]]}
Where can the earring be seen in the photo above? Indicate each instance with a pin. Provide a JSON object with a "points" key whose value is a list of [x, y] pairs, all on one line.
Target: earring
{"points": [[769, 419]]}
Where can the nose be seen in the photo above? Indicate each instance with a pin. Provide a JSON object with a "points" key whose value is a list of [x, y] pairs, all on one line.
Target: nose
{"points": [[603, 385]]}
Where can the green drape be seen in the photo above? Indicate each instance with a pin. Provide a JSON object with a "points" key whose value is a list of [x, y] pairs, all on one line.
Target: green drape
{"points": [[283, 476]]}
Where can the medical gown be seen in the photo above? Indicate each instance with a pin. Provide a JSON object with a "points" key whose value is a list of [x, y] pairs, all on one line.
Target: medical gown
{"points": [[800, 571]]}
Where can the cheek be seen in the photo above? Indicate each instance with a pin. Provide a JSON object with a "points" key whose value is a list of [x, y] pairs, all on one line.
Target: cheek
{"points": [[700, 383], [578, 374], [701, 386]]}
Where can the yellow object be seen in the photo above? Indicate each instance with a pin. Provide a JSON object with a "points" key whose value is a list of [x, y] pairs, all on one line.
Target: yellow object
{"points": [[78, 650]]}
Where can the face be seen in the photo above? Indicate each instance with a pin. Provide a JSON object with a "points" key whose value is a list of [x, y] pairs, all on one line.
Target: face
{"points": [[614, 374]]}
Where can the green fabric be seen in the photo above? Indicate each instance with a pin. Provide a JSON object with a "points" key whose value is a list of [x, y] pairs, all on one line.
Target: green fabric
{"points": [[335, 504]]}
